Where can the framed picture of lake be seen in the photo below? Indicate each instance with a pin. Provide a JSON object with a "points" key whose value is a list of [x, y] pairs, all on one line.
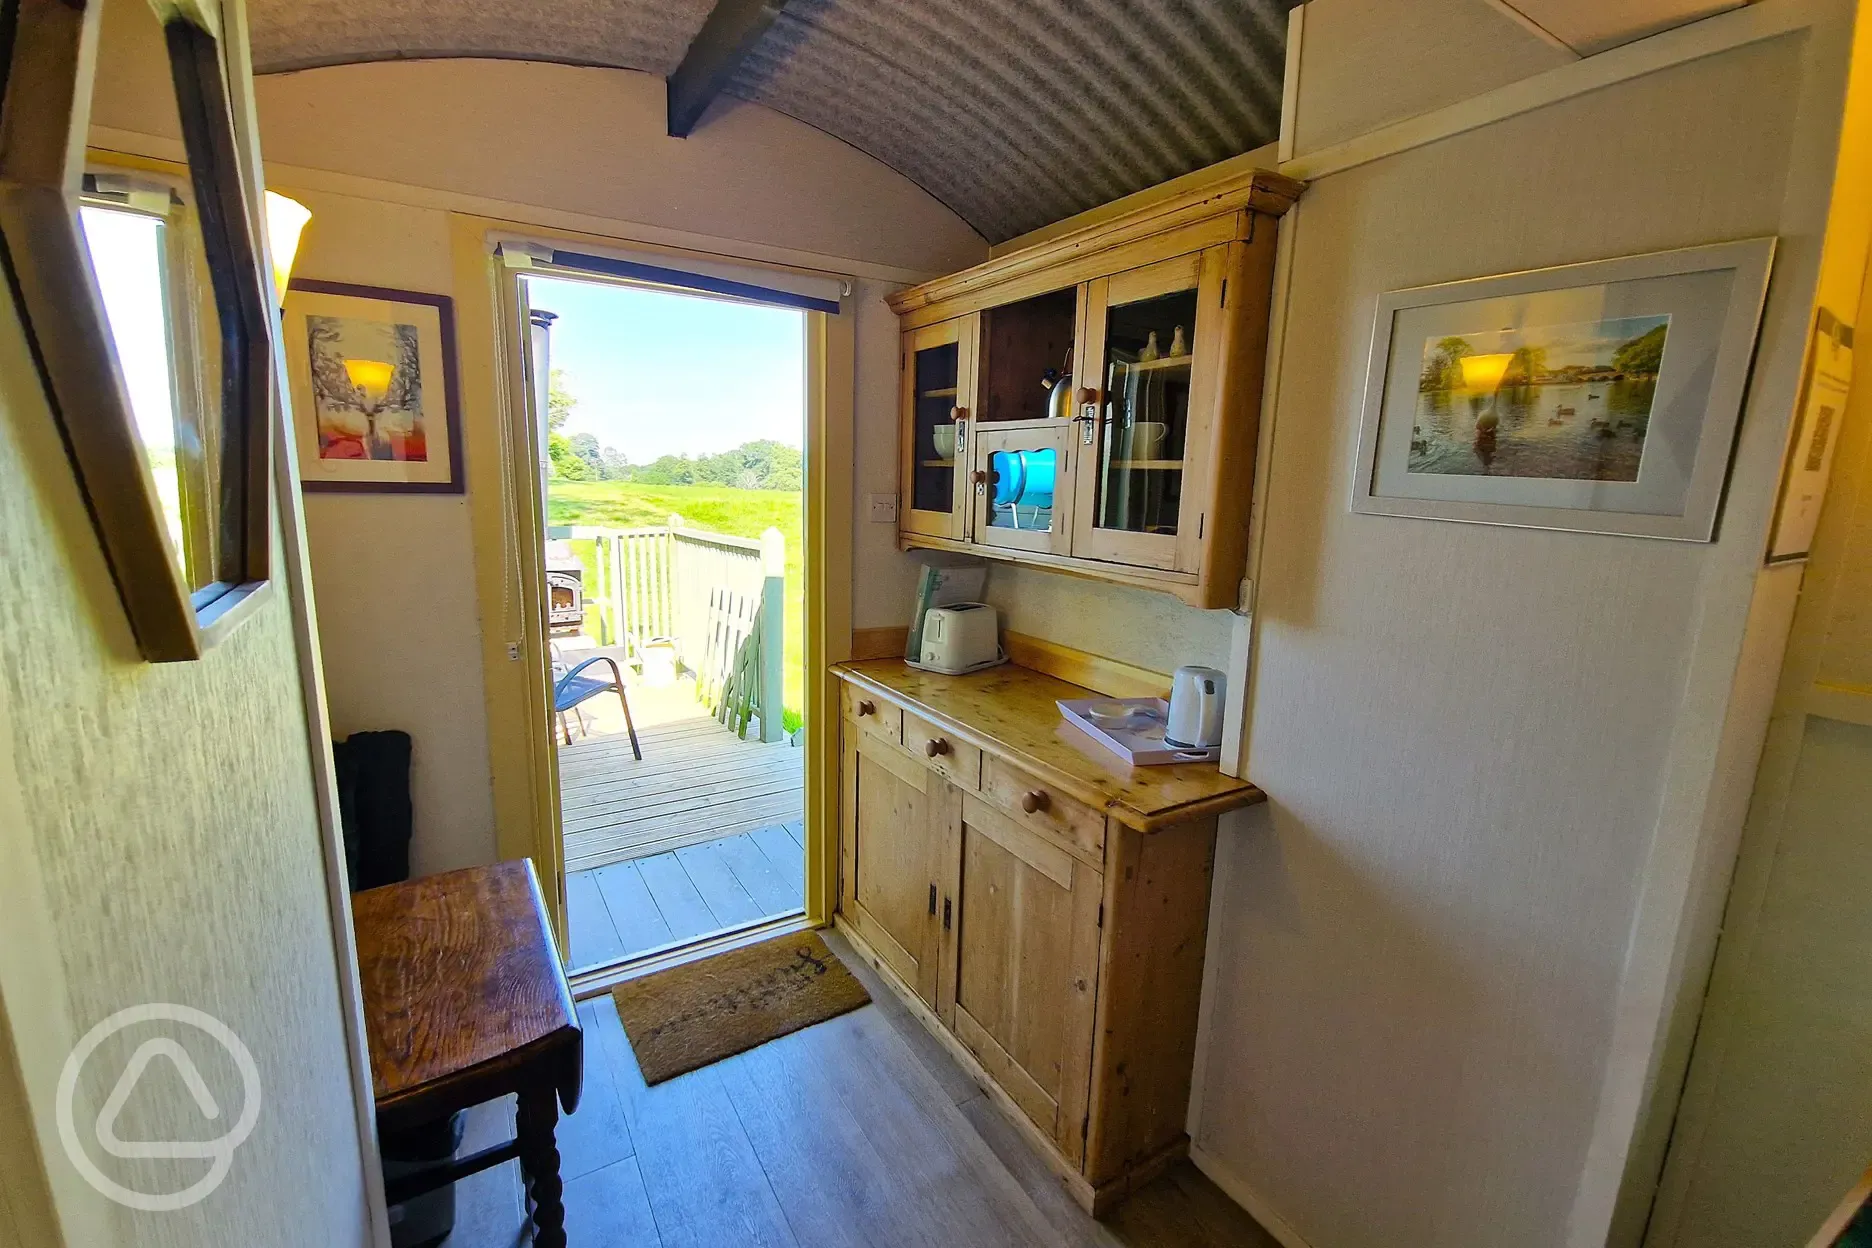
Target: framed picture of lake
{"points": [[1600, 397], [372, 372]]}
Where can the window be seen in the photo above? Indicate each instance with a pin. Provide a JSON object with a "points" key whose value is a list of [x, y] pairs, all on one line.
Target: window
{"points": [[130, 257]]}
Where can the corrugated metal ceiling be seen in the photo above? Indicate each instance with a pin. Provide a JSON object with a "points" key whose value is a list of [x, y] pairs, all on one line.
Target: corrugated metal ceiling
{"points": [[1015, 113]]}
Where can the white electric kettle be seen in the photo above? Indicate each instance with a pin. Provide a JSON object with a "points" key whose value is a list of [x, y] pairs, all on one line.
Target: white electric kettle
{"points": [[1196, 698]]}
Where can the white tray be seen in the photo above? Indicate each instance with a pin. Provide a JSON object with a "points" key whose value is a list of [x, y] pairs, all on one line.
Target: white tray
{"points": [[1142, 745]]}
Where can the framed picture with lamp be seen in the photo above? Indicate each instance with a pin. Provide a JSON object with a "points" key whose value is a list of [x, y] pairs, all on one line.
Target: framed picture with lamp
{"points": [[372, 372], [1600, 398]]}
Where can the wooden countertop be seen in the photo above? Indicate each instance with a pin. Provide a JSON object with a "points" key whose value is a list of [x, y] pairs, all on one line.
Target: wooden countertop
{"points": [[1012, 711]]}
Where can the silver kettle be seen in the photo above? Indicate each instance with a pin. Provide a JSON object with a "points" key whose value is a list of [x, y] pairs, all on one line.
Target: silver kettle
{"points": [[1058, 385]]}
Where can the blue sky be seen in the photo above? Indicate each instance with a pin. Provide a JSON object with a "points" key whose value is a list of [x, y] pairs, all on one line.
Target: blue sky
{"points": [[665, 374]]}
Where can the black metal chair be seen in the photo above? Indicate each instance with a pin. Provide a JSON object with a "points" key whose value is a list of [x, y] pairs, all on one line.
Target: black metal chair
{"points": [[570, 690]]}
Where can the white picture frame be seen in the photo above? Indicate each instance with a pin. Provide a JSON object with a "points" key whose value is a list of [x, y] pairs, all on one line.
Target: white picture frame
{"points": [[1601, 397]]}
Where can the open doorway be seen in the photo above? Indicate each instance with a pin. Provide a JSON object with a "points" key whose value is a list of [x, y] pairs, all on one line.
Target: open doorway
{"points": [[673, 489]]}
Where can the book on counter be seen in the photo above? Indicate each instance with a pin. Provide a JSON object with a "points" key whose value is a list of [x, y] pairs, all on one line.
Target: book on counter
{"points": [[944, 580], [1133, 729]]}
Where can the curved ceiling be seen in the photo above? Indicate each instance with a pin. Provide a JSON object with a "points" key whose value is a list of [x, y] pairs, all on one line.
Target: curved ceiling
{"points": [[1014, 113]]}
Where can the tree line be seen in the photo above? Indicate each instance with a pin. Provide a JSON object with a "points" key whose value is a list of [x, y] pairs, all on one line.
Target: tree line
{"points": [[759, 465]]}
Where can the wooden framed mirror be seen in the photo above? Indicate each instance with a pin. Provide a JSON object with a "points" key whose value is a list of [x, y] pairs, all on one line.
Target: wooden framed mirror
{"points": [[144, 300]]}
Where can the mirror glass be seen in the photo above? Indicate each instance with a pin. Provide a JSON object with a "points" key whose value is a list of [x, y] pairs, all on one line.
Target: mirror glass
{"points": [[143, 231]]}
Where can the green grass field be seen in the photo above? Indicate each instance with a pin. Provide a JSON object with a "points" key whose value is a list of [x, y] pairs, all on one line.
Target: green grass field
{"points": [[715, 508]]}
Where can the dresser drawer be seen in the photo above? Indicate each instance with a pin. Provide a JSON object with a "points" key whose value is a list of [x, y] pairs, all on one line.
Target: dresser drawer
{"points": [[872, 715], [942, 750], [1043, 808]]}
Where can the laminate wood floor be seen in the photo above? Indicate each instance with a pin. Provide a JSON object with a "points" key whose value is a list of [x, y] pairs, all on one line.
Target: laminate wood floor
{"points": [[629, 908], [861, 1131]]}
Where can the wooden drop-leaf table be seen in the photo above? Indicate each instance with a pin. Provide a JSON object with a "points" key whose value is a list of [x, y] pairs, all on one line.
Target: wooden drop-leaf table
{"points": [[465, 1001]]}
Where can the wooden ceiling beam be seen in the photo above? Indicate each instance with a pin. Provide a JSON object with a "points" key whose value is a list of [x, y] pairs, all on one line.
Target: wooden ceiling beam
{"points": [[732, 29]]}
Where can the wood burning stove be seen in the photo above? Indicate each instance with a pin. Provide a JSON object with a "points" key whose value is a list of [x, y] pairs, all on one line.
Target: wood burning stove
{"points": [[565, 590]]}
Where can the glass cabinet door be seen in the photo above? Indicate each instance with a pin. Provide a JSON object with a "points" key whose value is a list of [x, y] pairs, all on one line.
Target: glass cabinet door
{"points": [[1023, 485], [938, 390], [1150, 336]]}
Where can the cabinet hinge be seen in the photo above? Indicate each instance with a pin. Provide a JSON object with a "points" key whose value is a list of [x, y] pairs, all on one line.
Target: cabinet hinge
{"points": [[948, 912], [1101, 918], [1085, 1133], [1225, 292], [1200, 518], [932, 901]]}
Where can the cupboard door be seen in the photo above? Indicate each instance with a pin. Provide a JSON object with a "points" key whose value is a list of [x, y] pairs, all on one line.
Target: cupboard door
{"points": [[1151, 350], [1021, 962], [938, 412], [1023, 486], [889, 861]]}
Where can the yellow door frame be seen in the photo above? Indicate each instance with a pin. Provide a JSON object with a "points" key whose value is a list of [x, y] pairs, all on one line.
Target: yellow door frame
{"points": [[502, 441]]}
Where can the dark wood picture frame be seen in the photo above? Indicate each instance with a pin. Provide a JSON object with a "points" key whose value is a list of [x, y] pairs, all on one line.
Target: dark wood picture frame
{"points": [[47, 51], [451, 390]]}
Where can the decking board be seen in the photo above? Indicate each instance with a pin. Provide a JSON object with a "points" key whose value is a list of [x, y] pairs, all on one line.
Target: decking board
{"points": [[628, 908], [697, 782]]}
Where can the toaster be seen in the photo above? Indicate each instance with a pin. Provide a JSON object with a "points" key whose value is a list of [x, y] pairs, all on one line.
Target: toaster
{"points": [[962, 637]]}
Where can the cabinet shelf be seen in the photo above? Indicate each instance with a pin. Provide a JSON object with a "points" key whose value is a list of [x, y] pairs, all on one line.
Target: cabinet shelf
{"points": [[947, 392], [1149, 465], [936, 463], [1151, 366]]}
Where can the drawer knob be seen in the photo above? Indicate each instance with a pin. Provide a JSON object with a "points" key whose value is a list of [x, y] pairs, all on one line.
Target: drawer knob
{"points": [[867, 708], [936, 746], [979, 476], [1035, 801]]}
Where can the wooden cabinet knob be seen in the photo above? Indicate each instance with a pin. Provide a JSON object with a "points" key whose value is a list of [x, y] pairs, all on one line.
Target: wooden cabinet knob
{"points": [[936, 746], [1035, 802], [1087, 395], [958, 414], [867, 708], [979, 476]]}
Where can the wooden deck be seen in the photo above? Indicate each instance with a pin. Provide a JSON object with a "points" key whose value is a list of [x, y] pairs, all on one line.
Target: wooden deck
{"points": [[671, 898], [697, 782]]}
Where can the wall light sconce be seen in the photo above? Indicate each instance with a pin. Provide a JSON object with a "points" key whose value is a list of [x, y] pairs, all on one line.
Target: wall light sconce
{"points": [[285, 220]]}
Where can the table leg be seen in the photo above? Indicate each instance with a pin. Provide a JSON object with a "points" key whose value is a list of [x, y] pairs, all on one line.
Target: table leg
{"points": [[539, 1158]]}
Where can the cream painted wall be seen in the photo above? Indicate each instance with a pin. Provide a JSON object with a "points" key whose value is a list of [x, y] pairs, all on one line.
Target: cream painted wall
{"points": [[1466, 732], [1364, 63], [1595, 25], [882, 579], [399, 625], [165, 819]]}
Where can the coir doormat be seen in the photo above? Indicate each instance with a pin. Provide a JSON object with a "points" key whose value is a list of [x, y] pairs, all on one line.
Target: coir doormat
{"points": [[701, 1012]]}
